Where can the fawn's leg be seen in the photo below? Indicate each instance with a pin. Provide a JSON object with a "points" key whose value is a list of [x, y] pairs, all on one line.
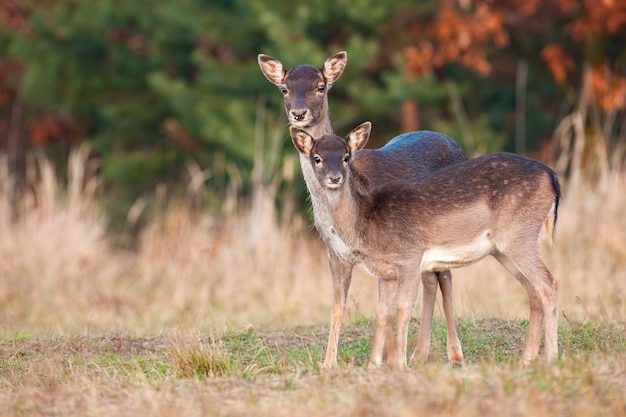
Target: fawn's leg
{"points": [[341, 273], [550, 312], [408, 284], [385, 309], [455, 352], [422, 346], [541, 288], [390, 299]]}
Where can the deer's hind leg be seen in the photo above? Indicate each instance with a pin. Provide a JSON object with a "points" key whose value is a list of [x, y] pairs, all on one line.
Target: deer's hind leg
{"points": [[454, 349], [422, 346], [541, 288]]}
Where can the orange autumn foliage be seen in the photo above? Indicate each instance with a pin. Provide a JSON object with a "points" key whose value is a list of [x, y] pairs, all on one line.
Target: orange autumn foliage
{"points": [[606, 89], [462, 31], [456, 37], [558, 61], [14, 15]]}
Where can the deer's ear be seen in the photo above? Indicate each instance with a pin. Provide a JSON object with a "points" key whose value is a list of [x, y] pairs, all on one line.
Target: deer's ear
{"points": [[301, 140], [359, 136], [272, 68], [334, 66]]}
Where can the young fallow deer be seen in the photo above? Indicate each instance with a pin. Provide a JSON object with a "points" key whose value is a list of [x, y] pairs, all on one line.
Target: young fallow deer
{"points": [[495, 205], [305, 90]]}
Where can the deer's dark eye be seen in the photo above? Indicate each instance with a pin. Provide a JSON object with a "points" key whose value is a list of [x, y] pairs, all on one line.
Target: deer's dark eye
{"points": [[317, 160], [321, 87], [346, 158], [283, 90]]}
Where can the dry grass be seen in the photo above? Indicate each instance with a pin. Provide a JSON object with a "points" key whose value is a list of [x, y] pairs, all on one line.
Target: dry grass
{"points": [[247, 373], [88, 328], [61, 272]]}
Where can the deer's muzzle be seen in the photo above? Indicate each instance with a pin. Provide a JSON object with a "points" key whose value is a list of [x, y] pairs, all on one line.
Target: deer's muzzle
{"points": [[299, 114], [334, 180]]}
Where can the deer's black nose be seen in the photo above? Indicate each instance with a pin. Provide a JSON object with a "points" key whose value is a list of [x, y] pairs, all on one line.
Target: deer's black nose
{"points": [[298, 114]]}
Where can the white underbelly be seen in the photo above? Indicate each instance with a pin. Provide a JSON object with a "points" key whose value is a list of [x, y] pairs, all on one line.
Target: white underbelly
{"points": [[440, 258]]}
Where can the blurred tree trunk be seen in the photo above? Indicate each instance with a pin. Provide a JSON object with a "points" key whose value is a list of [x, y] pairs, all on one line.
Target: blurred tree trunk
{"points": [[410, 115], [16, 147]]}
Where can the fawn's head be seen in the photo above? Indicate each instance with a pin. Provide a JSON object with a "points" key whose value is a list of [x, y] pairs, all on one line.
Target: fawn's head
{"points": [[330, 155], [304, 87]]}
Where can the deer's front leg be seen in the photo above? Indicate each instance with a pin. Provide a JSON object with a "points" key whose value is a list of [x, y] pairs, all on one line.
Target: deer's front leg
{"points": [[341, 273], [383, 334], [408, 284]]}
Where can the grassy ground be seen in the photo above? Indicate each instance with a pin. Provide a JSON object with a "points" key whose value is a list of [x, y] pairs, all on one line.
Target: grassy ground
{"points": [[206, 316], [275, 372]]}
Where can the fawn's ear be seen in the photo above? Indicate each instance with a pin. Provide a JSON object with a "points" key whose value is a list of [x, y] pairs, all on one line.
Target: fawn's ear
{"points": [[334, 66], [359, 136], [301, 140], [272, 68]]}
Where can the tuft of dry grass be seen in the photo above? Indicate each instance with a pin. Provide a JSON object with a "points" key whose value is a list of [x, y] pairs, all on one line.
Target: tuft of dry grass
{"points": [[194, 356], [53, 246]]}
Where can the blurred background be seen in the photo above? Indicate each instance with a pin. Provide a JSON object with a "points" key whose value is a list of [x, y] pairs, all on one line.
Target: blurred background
{"points": [[154, 86], [148, 126]]}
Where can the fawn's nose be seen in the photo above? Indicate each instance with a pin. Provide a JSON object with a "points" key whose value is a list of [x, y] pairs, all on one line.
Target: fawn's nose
{"points": [[299, 114], [335, 177]]}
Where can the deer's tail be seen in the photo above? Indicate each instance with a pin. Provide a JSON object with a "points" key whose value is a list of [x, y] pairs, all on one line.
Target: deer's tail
{"points": [[553, 213]]}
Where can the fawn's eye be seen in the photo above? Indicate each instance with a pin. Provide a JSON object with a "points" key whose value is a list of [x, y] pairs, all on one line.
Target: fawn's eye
{"points": [[317, 160], [321, 87], [346, 158], [283, 90]]}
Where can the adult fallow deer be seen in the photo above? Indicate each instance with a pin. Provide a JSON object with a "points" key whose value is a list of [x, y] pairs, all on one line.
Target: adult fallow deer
{"points": [[305, 91], [492, 205]]}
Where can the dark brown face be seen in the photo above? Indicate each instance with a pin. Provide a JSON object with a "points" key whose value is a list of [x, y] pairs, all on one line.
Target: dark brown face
{"points": [[304, 90], [330, 157]]}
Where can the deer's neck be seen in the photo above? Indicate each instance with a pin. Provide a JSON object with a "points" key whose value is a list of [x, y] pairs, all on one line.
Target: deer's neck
{"points": [[320, 210], [344, 207], [335, 213], [321, 213]]}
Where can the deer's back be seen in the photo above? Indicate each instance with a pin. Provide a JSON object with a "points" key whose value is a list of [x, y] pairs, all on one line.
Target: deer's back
{"points": [[495, 192], [409, 155]]}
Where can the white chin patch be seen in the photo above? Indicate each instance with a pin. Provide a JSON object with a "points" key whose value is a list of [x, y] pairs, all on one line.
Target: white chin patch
{"points": [[300, 123]]}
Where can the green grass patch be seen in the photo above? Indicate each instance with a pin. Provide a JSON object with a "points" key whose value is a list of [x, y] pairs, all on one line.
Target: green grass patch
{"points": [[592, 337], [248, 353]]}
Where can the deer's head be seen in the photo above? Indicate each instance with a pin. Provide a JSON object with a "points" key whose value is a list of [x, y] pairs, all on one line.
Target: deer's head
{"points": [[304, 87], [330, 155]]}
